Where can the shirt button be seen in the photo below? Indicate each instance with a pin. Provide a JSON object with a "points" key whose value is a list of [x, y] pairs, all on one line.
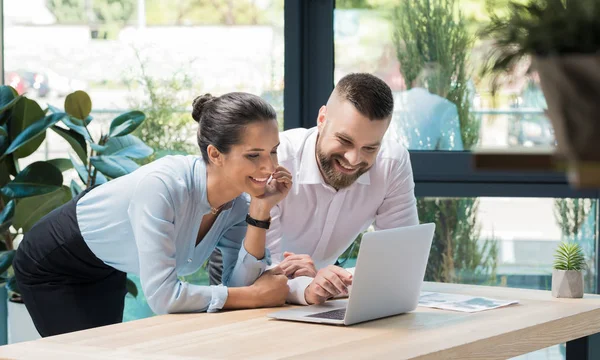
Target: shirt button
{"points": [[189, 260]]}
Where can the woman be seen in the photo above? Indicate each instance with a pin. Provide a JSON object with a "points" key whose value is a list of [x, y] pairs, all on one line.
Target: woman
{"points": [[161, 221]]}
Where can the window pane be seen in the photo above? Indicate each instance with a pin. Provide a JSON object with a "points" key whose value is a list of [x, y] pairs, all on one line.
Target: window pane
{"points": [[441, 101], [504, 242], [157, 62]]}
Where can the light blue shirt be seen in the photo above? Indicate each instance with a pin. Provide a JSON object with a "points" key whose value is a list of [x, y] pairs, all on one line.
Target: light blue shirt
{"points": [[147, 223], [425, 121]]}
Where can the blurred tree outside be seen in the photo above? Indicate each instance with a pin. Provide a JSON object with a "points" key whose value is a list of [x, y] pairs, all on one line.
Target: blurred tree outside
{"points": [[432, 37], [169, 128]]}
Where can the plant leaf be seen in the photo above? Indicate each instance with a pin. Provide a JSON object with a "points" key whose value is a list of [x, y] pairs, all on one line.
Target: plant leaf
{"points": [[38, 178], [6, 259], [8, 99], [76, 140], [75, 188], [7, 215], [25, 113], [78, 104], [113, 166], [61, 164], [126, 123], [77, 126], [83, 174], [31, 209], [31, 138], [131, 288], [127, 145]]}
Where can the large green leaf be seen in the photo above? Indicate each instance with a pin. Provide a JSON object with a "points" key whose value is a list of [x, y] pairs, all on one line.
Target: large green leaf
{"points": [[3, 131], [8, 99], [31, 209], [76, 140], [127, 145], [25, 114], [61, 164], [4, 172], [36, 179], [78, 104], [131, 288], [126, 123], [83, 174], [77, 126], [6, 216], [6, 259], [27, 141], [75, 188], [113, 166]]}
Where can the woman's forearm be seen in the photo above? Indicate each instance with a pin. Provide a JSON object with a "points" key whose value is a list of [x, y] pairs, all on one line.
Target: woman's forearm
{"points": [[240, 298]]}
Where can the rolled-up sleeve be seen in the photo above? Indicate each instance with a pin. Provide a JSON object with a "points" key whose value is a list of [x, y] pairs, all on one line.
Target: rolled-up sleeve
{"points": [[152, 218], [240, 268]]}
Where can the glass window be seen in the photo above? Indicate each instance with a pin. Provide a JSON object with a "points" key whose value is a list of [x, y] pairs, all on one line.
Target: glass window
{"points": [[151, 55], [504, 242], [430, 55]]}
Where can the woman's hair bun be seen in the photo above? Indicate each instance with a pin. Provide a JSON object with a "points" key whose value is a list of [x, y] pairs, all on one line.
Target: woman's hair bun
{"points": [[199, 105]]}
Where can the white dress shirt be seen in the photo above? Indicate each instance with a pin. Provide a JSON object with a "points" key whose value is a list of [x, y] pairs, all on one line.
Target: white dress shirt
{"points": [[317, 220]]}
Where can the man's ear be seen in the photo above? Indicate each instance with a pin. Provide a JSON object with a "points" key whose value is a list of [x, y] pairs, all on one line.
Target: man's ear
{"points": [[214, 155], [321, 117]]}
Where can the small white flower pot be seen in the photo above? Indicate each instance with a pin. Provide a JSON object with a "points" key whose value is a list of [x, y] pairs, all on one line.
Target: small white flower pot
{"points": [[567, 283]]}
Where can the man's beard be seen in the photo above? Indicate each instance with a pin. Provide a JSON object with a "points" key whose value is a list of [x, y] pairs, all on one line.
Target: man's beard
{"points": [[333, 176]]}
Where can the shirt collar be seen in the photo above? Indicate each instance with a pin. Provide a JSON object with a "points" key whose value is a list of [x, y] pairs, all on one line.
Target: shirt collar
{"points": [[309, 172]]}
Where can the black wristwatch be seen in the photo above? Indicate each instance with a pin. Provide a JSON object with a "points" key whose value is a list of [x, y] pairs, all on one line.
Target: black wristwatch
{"points": [[263, 224]]}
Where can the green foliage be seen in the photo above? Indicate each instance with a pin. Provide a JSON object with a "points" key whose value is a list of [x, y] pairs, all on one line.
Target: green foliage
{"points": [[543, 28], [29, 194], [185, 12], [569, 256], [457, 255], [433, 46], [576, 219], [168, 128], [101, 11]]}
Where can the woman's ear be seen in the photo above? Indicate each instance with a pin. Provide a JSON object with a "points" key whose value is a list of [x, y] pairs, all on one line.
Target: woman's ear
{"points": [[214, 155]]}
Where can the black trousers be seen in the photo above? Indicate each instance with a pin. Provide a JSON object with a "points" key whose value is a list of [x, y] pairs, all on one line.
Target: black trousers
{"points": [[64, 286]]}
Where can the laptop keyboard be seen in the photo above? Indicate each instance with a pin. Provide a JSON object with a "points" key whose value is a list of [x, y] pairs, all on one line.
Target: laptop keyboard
{"points": [[337, 314]]}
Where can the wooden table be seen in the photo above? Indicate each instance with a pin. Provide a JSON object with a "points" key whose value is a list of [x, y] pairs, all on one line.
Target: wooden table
{"points": [[537, 322]]}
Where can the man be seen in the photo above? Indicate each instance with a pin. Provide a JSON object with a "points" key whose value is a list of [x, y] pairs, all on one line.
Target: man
{"points": [[346, 177]]}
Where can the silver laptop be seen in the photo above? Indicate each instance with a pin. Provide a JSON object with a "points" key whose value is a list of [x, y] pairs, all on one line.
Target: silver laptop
{"points": [[387, 279]]}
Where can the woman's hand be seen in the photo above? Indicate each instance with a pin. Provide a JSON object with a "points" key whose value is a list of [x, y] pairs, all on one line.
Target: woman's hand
{"points": [[276, 190], [271, 288]]}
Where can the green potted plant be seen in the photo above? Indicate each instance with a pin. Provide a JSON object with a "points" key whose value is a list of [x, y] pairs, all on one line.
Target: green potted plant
{"points": [[567, 275], [561, 37], [28, 194]]}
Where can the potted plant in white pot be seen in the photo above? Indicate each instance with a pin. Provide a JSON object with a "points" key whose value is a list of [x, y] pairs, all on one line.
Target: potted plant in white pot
{"points": [[561, 38], [567, 275]]}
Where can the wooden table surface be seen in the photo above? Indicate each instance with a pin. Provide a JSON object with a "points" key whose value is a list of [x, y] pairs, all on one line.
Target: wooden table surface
{"points": [[538, 321]]}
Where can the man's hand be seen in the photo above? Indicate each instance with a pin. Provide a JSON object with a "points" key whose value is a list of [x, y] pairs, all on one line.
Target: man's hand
{"points": [[329, 282], [294, 265]]}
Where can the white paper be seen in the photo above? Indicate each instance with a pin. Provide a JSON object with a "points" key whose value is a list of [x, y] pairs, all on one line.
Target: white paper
{"points": [[463, 303]]}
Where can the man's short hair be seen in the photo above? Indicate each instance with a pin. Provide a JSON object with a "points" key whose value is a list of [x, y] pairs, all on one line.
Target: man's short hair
{"points": [[370, 95]]}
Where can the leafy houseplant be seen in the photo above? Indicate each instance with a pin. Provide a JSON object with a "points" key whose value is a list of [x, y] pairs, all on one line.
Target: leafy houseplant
{"points": [[29, 194], [567, 275], [562, 38]]}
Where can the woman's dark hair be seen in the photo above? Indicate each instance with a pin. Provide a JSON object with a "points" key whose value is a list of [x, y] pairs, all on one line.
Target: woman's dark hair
{"points": [[222, 119]]}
